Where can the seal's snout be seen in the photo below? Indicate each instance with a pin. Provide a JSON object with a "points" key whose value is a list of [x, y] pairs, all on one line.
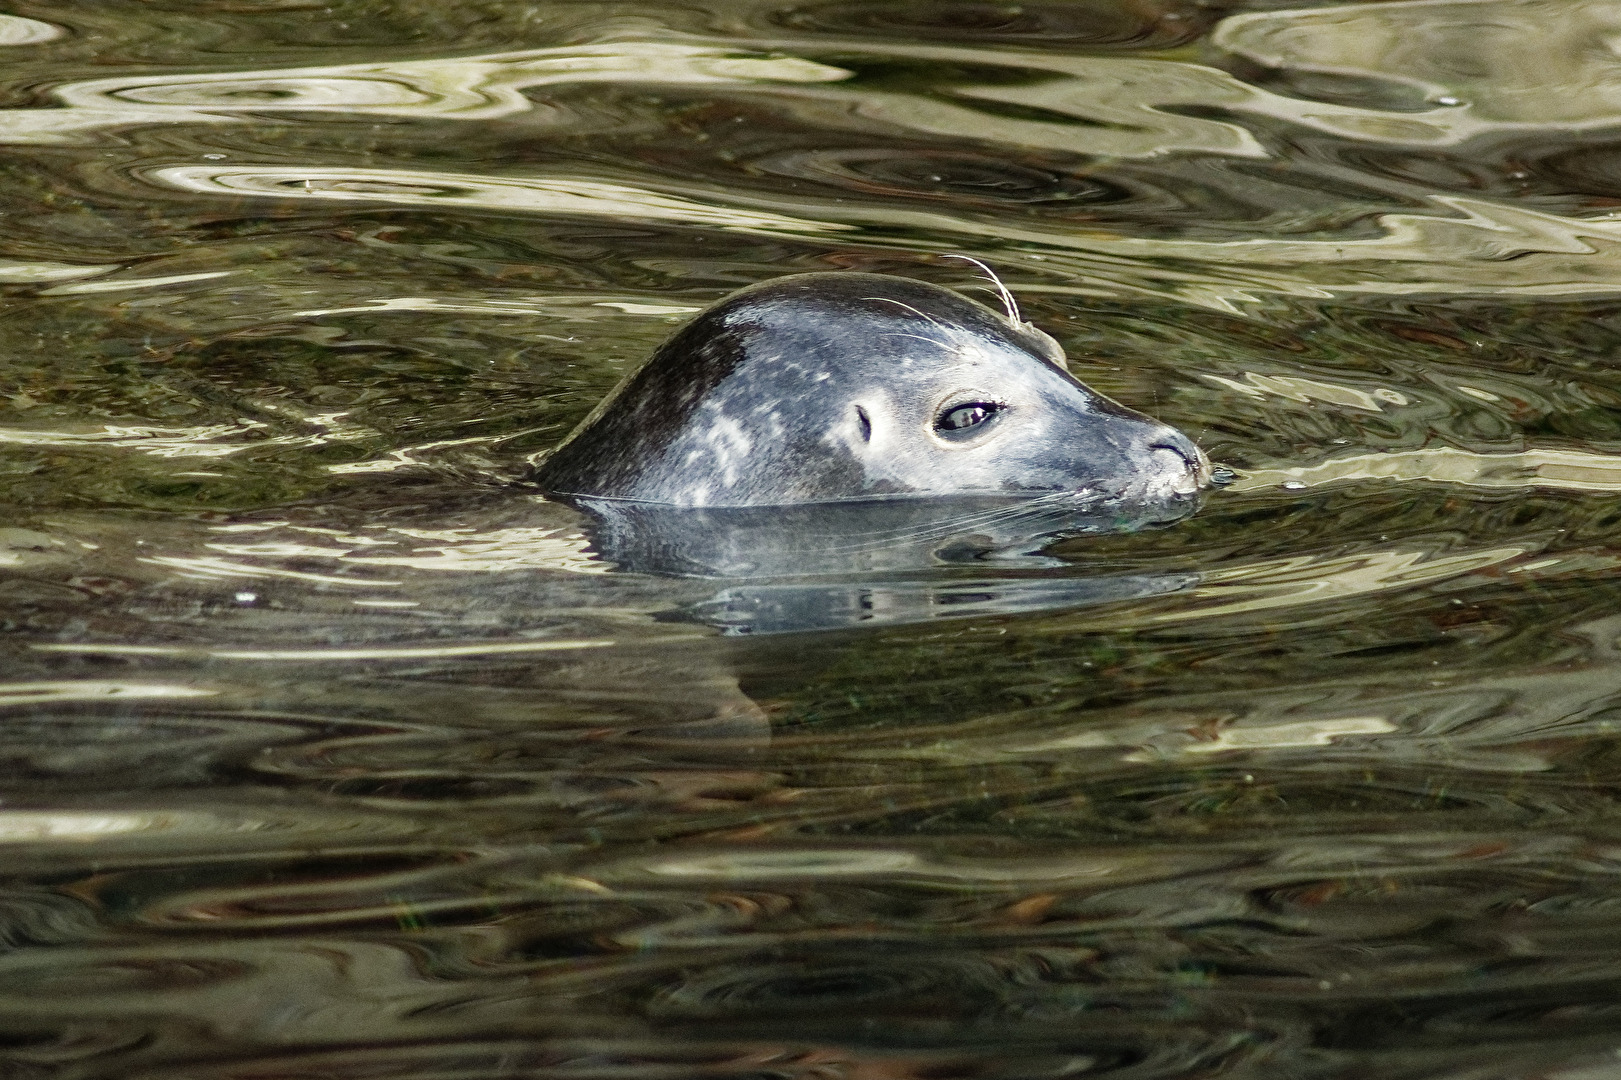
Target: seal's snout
{"points": [[1179, 463]]}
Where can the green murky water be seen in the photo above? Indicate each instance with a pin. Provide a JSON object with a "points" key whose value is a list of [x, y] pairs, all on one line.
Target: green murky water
{"points": [[331, 752]]}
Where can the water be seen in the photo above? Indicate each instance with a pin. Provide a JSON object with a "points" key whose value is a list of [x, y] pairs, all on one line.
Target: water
{"points": [[331, 751]]}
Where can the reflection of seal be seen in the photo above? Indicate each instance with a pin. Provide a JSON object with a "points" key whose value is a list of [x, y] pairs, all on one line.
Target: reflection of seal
{"points": [[826, 387]]}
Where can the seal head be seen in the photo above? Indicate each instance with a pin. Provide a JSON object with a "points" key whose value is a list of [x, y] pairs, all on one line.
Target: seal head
{"points": [[829, 387]]}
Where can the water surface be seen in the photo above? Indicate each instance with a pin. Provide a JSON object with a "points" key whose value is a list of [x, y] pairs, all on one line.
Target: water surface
{"points": [[333, 751]]}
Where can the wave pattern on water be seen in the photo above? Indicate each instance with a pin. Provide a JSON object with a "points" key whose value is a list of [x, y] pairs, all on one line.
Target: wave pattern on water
{"points": [[1485, 249], [473, 88], [332, 750]]}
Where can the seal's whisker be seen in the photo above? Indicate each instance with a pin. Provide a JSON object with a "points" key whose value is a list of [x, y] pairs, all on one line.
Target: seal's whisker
{"points": [[992, 516], [1025, 508], [913, 310], [886, 537], [1008, 302], [1003, 514], [920, 337]]}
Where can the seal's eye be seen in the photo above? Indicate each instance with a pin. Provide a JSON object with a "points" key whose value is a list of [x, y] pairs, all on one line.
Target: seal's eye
{"points": [[959, 421]]}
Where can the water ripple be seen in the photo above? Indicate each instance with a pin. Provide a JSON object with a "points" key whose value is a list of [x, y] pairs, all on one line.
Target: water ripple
{"points": [[1524, 63], [469, 88], [16, 30], [185, 442], [1569, 470], [91, 690], [533, 195], [393, 652], [1487, 248]]}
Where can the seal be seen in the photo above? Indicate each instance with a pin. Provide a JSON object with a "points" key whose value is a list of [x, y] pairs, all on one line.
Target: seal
{"points": [[829, 387]]}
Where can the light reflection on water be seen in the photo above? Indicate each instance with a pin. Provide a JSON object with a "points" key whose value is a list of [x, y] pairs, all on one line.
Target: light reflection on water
{"points": [[333, 751]]}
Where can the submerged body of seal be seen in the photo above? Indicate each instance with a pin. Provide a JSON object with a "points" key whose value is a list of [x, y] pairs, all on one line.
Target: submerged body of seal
{"points": [[829, 387]]}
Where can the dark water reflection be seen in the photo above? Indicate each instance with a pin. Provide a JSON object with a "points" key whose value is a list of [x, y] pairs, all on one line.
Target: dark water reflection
{"points": [[331, 751]]}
